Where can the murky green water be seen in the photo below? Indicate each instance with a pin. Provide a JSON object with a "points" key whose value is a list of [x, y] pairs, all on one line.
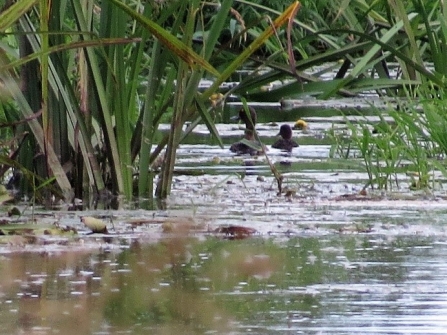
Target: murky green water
{"points": [[335, 284], [323, 262]]}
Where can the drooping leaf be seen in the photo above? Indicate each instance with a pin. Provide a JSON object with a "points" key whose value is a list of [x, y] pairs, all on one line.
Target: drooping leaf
{"points": [[171, 42]]}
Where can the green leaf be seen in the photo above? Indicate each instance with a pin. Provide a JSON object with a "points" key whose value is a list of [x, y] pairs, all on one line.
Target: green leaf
{"points": [[14, 12], [171, 42]]}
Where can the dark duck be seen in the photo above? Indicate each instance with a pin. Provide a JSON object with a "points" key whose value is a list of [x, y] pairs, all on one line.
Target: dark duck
{"points": [[285, 142], [241, 147]]}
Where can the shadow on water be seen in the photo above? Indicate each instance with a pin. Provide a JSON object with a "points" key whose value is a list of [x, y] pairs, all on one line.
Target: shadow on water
{"points": [[337, 284]]}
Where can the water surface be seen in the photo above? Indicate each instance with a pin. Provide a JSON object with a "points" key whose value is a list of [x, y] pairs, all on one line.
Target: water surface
{"points": [[333, 284], [324, 260]]}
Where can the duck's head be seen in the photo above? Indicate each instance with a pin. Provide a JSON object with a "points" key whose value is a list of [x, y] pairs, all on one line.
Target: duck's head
{"points": [[300, 124], [250, 121], [285, 131]]}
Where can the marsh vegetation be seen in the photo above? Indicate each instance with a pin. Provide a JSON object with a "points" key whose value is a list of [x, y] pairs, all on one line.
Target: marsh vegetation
{"points": [[132, 99], [85, 84]]}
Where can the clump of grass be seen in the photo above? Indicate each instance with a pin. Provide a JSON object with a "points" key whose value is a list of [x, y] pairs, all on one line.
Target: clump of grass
{"points": [[378, 150], [406, 142], [418, 148]]}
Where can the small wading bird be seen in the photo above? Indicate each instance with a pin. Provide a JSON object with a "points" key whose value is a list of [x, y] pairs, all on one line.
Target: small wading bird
{"points": [[241, 147], [285, 142]]}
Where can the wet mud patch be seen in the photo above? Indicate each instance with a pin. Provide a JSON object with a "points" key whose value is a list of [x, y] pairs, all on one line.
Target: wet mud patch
{"points": [[234, 207]]}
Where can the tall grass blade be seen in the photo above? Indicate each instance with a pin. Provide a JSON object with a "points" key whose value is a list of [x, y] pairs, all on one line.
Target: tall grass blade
{"points": [[14, 12]]}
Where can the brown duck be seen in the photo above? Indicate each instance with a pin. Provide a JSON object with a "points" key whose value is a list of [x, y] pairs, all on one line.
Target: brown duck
{"points": [[286, 142], [240, 147]]}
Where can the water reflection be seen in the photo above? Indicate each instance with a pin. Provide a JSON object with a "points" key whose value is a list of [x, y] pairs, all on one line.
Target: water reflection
{"points": [[184, 285]]}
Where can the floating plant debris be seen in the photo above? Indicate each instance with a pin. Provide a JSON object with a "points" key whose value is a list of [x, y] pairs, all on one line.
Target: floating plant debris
{"points": [[235, 232], [95, 225]]}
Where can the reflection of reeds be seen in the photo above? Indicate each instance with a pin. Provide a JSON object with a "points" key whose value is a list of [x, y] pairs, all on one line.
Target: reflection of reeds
{"points": [[42, 286], [180, 223], [164, 286]]}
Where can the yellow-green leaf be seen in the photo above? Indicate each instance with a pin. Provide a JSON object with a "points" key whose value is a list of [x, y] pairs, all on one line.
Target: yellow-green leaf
{"points": [[14, 12], [256, 44]]}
